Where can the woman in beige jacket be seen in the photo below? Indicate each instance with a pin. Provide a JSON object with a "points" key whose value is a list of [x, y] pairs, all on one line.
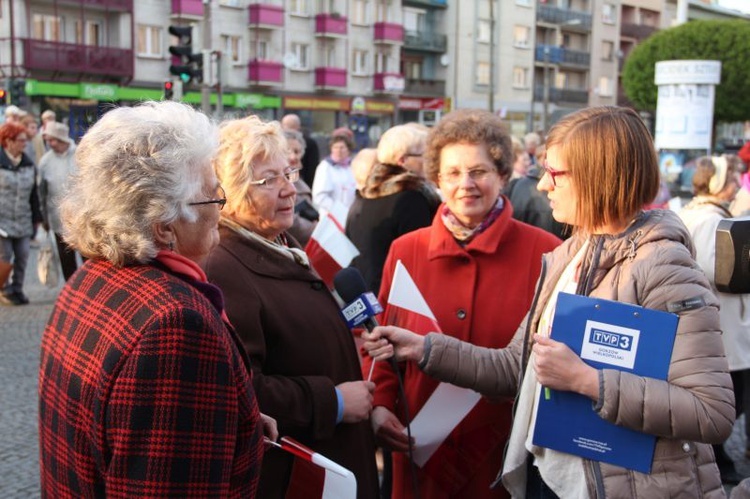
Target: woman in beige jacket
{"points": [[601, 168]]}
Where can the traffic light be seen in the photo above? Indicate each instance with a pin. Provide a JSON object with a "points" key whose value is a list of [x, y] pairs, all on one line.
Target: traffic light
{"points": [[3, 97], [168, 90], [18, 93], [185, 64]]}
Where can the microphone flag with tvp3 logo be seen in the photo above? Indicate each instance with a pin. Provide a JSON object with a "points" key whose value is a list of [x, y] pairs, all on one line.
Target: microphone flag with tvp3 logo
{"points": [[606, 335]]}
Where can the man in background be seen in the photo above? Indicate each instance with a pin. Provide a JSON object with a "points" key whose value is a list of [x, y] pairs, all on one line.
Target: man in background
{"points": [[311, 158]]}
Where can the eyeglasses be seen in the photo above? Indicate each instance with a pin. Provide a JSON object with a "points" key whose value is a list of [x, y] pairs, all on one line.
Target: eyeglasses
{"points": [[476, 175], [413, 155], [221, 201], [553, 173], [274, 181]]}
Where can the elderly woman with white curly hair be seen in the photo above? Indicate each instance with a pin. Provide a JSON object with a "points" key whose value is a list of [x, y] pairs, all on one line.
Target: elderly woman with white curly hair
{"points": [[144, 388]]}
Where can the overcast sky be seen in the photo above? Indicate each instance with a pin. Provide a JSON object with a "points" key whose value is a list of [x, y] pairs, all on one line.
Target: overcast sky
{"points": [[741, 5]]}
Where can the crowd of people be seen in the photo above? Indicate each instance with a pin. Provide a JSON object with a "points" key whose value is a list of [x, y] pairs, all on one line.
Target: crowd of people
{"points": [[198, 330]]}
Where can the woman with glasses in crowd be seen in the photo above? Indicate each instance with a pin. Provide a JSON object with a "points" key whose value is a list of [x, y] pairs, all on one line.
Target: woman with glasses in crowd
{"points": [[305, 367], [20, 210], [601, 169], [476, 267], [144, 390]]}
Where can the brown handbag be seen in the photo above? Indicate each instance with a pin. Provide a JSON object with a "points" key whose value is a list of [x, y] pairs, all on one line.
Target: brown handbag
{"points": [[5, 269]]}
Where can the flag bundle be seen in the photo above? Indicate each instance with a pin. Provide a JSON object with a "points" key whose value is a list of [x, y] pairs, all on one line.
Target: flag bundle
{"points": [[316, 476]]}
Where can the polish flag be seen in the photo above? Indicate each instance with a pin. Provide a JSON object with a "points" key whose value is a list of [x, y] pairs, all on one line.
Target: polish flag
{"points": [[407, 308], [328, 249], [316, 476], [448, 405]]}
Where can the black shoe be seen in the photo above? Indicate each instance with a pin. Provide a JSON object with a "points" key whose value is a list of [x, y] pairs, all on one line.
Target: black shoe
{"points": [[21, 298], [9, 299]]}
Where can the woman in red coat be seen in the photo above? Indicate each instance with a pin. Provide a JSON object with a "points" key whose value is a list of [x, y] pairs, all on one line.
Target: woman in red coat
{"points": [[476, 267]]}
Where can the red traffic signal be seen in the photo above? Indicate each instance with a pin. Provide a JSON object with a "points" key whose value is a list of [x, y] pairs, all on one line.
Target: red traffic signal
{"points": [[168, 90], [3, 96]]}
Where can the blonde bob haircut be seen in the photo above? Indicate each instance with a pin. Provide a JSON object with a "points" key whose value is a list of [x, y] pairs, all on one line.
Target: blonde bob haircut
{"points": [[612, 162], [244, 143], [399, 141], [470, 126], [137, 166]]}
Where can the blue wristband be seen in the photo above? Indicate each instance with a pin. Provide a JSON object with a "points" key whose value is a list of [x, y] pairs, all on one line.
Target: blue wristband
{"points": [[340, 400]]}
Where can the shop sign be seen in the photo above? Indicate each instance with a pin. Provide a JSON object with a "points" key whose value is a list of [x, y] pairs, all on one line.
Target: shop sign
{"points": [[98, 91], [316, 104], [416, 103], [247, 100], [358, 105], [382, 107], [394, 83]]}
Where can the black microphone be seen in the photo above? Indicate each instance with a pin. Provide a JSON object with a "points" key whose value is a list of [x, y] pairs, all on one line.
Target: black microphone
{"points": [[362, 306]]}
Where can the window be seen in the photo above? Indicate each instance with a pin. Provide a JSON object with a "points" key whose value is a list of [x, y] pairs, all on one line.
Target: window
{"points": [[360, 12], [47, 27], [413, 70], [384, 12], [301, 53], [299, 7], [484, 30], [483, 73], [329, 56], [608, 50], [525, 3], [149, 41], [90, 35], [605, 87], [231, 48], [414, 19], [359, 62], [521, 36], [609, 14], [520, 77], [230, 3], [326, 6], [261, 50]]}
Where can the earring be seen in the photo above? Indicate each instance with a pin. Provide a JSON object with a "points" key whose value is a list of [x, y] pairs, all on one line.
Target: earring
{"points": [[171, 245]]}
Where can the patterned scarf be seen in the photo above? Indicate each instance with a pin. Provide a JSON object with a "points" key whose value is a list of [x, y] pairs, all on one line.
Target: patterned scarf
{"points": [[279, 245], [344, 163], [463, 234]]}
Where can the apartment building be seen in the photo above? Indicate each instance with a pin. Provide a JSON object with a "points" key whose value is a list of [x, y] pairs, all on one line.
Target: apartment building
{"points": [[359, 63]]}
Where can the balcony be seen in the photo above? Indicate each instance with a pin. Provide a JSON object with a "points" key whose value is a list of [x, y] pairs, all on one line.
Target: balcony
{"points": [[637, 31], [330, 78], [570, 19], [389, 33], [192, 9], [438, 4], [81, 59], [565, 57], [263, 15], [116, 5], [562, 95], [388, 83], [431, 88], [425, 41], [330, 25], [260, 72]]}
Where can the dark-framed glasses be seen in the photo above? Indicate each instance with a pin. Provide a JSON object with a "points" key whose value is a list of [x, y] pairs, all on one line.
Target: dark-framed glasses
{"points": [[552, 172], [221, 200], [275, 181], [475, 174]]}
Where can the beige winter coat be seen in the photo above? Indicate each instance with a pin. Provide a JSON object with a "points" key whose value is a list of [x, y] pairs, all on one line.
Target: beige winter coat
{"points": [[650, 264]]}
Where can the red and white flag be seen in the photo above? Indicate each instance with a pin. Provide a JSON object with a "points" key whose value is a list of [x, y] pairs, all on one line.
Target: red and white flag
{"points": [[328, 249], [448, 405], [315, 476]]}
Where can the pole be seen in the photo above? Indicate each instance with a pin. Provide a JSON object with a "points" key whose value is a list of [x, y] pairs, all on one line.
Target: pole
{"points": [[206, 85], [219, 86], [545, 97], [491, 100]]}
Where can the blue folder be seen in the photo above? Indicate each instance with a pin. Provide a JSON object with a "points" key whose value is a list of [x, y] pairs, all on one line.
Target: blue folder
{"points": [[606, 335]]}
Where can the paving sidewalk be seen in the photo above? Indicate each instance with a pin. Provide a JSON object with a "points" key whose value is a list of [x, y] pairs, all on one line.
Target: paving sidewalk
{"points": [[20, 334]]}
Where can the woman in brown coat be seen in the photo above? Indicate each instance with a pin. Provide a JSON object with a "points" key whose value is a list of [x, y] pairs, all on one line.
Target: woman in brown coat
{"points": [[305, 366]]}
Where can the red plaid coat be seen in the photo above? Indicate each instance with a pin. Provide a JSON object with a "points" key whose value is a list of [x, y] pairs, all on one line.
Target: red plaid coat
{"points": [[144, 391]]}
